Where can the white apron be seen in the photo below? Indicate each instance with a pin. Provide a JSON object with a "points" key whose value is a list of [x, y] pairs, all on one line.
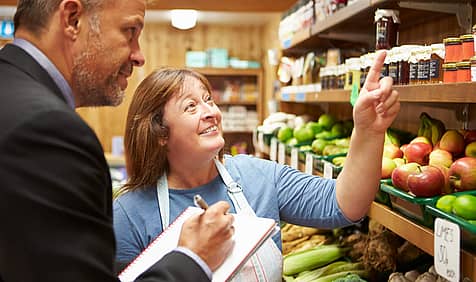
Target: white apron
{"points": [[267, 263]]}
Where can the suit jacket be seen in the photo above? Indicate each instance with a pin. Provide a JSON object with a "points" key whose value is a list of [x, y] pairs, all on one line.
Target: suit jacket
{"points": [[55, 188]]}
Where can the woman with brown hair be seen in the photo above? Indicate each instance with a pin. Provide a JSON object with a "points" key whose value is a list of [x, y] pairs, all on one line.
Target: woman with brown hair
{"points": [[173, 147]]}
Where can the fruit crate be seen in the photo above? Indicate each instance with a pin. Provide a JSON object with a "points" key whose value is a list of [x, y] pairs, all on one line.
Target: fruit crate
{"points": [[468, 230], [409, 205], [319, 162], [383, 197]]}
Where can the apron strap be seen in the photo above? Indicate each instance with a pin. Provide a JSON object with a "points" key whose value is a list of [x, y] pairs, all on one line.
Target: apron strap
{"points": [[234, 190], [163, 199]]}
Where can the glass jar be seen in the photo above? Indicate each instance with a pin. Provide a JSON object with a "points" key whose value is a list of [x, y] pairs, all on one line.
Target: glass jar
{"points": [[452, 49], [467, 47], [463, 73], [436, 62], [403, 58], [324, 78], [341, 70], [474, 37], [413, 66], [352, 75], [387, 23], [423, 56], [363, 69], [392, 55], [473, 68], [449, 72]]}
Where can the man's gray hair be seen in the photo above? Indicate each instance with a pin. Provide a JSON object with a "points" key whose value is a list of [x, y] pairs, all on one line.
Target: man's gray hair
{"points": [[34, 15]]}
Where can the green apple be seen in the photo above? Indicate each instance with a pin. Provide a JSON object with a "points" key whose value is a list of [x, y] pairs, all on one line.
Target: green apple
{"points": [[441, 157], [470, 150], [388, 165]]}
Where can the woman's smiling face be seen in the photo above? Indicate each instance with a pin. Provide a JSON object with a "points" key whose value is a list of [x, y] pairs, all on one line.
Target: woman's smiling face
{"points": [[194, 122]]}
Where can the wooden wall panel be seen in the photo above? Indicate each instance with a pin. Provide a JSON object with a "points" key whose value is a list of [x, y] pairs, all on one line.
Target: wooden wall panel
{"points": [[164, 45]]}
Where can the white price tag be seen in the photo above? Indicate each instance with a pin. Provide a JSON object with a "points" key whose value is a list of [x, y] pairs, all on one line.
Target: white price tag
{"points": [[273, 150], [261, 141], [281, 153], [308, 168], [327, 169], [447, 249], [295, 158]]}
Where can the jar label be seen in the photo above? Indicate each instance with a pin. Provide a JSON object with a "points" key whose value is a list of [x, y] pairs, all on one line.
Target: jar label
{"points": [[434, 69], [414, 71], [424, 70]]}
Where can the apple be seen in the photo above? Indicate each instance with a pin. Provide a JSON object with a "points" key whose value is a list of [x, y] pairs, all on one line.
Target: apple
{"points": [[440, 157], [392, 151], [401, 173], [417, 152], [453, 142], [422, 139], [469, 136], [399, 161], [447, 186], [428, 182], [463, 174], [470, 150], [388, 165]]}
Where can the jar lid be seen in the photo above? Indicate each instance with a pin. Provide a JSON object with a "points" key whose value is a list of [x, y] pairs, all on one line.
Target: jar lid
{"points": [[449, 66], [473, 59], [452, 40], [381, 13], [463, 64], [474, 28], [467, 37]]}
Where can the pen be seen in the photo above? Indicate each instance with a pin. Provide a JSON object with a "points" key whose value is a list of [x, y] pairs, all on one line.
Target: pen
{"points": [[200, 202]]}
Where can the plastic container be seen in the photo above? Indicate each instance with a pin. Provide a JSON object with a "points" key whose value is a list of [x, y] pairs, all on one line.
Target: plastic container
{"points": [[387, 23], [410, 206]]}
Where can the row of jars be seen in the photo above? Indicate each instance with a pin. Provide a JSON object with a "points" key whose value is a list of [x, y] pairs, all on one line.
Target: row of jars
{"points": [[407, 64]]}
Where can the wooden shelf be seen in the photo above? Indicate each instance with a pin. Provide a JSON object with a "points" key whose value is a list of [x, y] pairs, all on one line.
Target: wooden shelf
{"points": [[414, 233], [237, 103], [428, 93], [418, 235], [115, 161], [228, 71], [353, 26]]}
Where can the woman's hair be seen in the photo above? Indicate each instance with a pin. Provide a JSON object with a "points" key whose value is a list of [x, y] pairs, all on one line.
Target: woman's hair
{"points": [[146, 155]]}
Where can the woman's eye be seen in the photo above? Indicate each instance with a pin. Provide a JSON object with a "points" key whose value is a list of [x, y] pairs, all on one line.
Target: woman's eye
{"points": [[209, 99], [190, 107]]}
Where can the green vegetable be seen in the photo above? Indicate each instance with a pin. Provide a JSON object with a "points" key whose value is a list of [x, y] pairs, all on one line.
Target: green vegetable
{"points": [[350, 278], [333, 277], [312, 258]]}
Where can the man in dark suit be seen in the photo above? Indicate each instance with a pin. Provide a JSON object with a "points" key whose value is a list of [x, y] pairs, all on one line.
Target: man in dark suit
{"points": [[55, 192]]}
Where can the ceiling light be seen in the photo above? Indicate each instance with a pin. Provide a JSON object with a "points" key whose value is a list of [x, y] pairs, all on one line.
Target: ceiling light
{"points": [[183, 19]]}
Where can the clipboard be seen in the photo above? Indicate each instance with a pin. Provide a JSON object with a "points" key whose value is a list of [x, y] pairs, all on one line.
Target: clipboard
{"points": [[250, 233]]}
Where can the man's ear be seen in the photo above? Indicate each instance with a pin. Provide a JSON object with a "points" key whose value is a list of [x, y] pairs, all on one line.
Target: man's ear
{"points": [[71, 11]]}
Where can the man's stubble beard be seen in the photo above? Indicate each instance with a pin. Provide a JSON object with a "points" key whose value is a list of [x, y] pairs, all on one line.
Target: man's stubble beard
{"points": [[91, 87]]}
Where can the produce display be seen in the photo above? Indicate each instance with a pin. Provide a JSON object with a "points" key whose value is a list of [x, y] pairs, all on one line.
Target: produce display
{"points": [[367, 252]]}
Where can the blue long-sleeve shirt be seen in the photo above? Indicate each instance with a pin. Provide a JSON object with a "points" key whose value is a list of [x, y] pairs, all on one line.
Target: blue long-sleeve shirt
{"points": [[272, 190]]}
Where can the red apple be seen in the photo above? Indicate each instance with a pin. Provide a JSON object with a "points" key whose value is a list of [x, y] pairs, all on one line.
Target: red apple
{"points": [[453, 142], [392, 151], [418, 153], [401, 173], [470, 150], [428, 182], [388, 165], [422, 139], [440, 157], [469, 136], [447, 187], [463, 174], [403, 147]]}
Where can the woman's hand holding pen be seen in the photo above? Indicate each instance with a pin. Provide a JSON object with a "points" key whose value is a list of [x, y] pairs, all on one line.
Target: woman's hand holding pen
{"points": [[209, 235]]}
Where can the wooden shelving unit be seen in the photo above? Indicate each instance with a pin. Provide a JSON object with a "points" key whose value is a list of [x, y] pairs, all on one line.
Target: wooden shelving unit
{"points": [[427, 93], [217, 78], [354, 27]]}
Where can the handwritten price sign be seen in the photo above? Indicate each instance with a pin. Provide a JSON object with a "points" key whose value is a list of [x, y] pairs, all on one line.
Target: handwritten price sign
{"points": [[447, 249]]}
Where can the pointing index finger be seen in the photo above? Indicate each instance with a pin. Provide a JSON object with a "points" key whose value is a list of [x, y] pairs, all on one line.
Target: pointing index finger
{"points": [[374, 73]]}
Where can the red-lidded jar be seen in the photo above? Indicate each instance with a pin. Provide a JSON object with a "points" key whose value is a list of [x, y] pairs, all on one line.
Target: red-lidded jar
{"points": [[387, 23], [467, 47], [463, 74], [452, 49], [449, 72]]}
